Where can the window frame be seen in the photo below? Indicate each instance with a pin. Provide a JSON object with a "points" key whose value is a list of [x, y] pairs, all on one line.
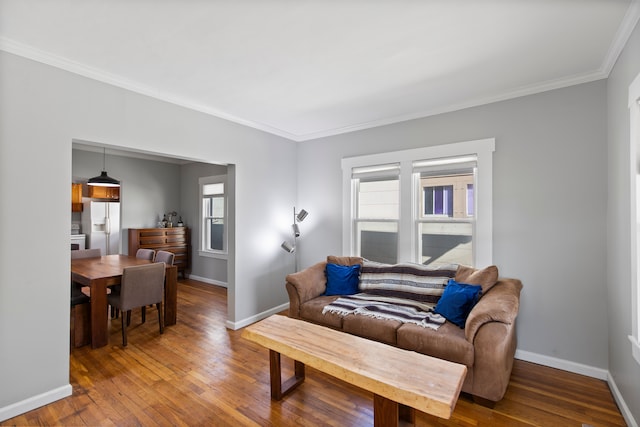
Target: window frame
{"points": [[213, 253], [407, 240]]}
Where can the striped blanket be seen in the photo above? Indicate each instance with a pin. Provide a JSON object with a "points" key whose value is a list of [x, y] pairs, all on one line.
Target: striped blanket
{"points": [[380, 307]]}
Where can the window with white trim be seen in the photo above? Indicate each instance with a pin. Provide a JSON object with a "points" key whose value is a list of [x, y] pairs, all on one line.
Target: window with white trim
{"points": [[213, 214], [430, 205]]}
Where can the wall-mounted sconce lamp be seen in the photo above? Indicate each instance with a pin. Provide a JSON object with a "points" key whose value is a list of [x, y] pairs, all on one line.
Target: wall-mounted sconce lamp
{"points": [[289, 247]]}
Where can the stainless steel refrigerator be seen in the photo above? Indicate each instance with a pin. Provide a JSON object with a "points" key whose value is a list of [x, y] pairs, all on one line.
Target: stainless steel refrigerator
{"points": [[101, 224]]}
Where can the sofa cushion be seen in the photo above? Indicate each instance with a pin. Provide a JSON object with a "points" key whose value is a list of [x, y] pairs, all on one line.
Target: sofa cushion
{"points": [[457, 301], [448, 342], [487, 277], [312, 311], [407, 280], [344, 260], [383, 330], [342, 279]]}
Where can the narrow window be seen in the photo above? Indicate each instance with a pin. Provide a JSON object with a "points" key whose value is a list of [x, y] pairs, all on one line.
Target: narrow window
{"points": [[214, 214]]}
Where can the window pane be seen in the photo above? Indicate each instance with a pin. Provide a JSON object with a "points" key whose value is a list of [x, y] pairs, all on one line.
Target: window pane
{"points": [[213, 212], [216, 234], [438, 200], [217, 207], [378, 241], [211, 189], [470, 200], [379, 199], [446, 242]]}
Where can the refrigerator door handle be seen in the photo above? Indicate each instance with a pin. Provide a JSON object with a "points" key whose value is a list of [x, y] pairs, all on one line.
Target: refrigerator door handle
{"points": [[107, 225]]}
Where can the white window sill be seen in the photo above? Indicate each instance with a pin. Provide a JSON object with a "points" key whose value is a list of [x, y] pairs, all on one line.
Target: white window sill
{"points": [[635, 348], [218, 255]]}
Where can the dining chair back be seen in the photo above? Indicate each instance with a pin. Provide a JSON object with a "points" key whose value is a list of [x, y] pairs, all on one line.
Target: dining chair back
{"points": [[146, 254], [141, 285], [165, 256], [86, 253]]}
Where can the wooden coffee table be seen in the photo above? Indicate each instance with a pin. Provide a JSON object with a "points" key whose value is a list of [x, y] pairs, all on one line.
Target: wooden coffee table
{"points": [[400, 380]]}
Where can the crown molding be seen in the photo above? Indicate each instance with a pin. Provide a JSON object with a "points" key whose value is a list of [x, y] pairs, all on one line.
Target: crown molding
{"points": [[30, 52], [516, 93], [625, 30]]}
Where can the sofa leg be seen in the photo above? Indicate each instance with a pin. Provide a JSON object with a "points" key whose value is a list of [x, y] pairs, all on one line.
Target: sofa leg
{"points": [[484, 402]]}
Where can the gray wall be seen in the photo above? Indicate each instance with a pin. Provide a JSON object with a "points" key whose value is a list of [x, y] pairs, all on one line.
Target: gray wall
{"points": [[550, 181], [213, 269], [549, 220], [622, 367], [149, 188], [42, 110], [152, 188]]}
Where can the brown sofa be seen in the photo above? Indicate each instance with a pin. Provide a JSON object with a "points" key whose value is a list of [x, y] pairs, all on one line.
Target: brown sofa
{"points": [[486, 346]]}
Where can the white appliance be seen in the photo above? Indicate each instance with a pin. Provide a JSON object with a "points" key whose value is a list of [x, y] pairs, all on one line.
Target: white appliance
{"points": [[78, 239], [101, 224]]}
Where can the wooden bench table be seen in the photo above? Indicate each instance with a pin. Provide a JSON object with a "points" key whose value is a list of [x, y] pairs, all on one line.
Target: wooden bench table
{"points": [[400, 380]]}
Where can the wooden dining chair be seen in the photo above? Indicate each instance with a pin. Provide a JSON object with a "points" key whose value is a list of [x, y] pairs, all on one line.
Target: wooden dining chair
{"points": [[146, 254], [86, 253], [141, 285], [140, 254], [161, 256], [165, 256]]}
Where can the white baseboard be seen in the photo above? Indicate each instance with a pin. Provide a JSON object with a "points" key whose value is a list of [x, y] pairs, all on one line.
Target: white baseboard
{"points": [[622, 405], [34, 402], [565, 365], [208, 281], [249, 320], [579, 368]]}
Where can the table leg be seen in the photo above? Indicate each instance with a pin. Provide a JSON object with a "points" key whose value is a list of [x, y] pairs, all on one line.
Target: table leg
{"points": [[171, 296], [99, 333], [387, 413], [278, 388]]}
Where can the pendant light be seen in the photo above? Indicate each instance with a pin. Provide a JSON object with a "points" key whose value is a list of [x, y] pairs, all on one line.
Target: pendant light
{"points": [[103, 180]]}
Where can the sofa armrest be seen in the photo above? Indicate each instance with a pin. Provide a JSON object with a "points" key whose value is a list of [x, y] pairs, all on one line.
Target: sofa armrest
{"points": [[500, 304], [305, 285]]}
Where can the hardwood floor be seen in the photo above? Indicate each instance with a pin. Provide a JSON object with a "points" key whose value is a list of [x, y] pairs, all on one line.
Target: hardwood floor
{"points": [[201, 374]]}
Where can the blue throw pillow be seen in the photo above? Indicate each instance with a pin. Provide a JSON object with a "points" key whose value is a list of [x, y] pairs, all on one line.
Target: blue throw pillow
{"points": [[342, 279], [457, 301]]}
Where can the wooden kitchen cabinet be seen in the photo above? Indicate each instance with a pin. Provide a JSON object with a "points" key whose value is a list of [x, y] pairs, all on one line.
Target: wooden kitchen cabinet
{"points": [[76, 197], [108, 193], [175, 239]]}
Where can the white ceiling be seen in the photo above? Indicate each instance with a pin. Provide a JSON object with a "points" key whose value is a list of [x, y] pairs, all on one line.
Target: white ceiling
{"points": [[304, 69]]}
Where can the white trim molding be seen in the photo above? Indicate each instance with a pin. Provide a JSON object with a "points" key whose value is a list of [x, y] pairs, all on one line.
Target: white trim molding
{"points": [[249, 320], [634, 209], [208, 281], [581, 369], [34, 402]]}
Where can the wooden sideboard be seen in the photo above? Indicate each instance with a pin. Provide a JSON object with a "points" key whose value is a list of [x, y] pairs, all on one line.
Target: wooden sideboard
{"points": [[174, 239]]}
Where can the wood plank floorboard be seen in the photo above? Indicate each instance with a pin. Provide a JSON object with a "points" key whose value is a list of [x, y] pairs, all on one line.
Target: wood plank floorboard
{"points": [[199, 373]]}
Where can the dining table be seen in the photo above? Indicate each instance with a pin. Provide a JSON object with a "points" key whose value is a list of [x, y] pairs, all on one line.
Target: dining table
{"points": [[102, 272]]}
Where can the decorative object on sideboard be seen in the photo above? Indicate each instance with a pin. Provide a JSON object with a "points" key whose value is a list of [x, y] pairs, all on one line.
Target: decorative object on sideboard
{"points": [[171, 215], [103, 180]]}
